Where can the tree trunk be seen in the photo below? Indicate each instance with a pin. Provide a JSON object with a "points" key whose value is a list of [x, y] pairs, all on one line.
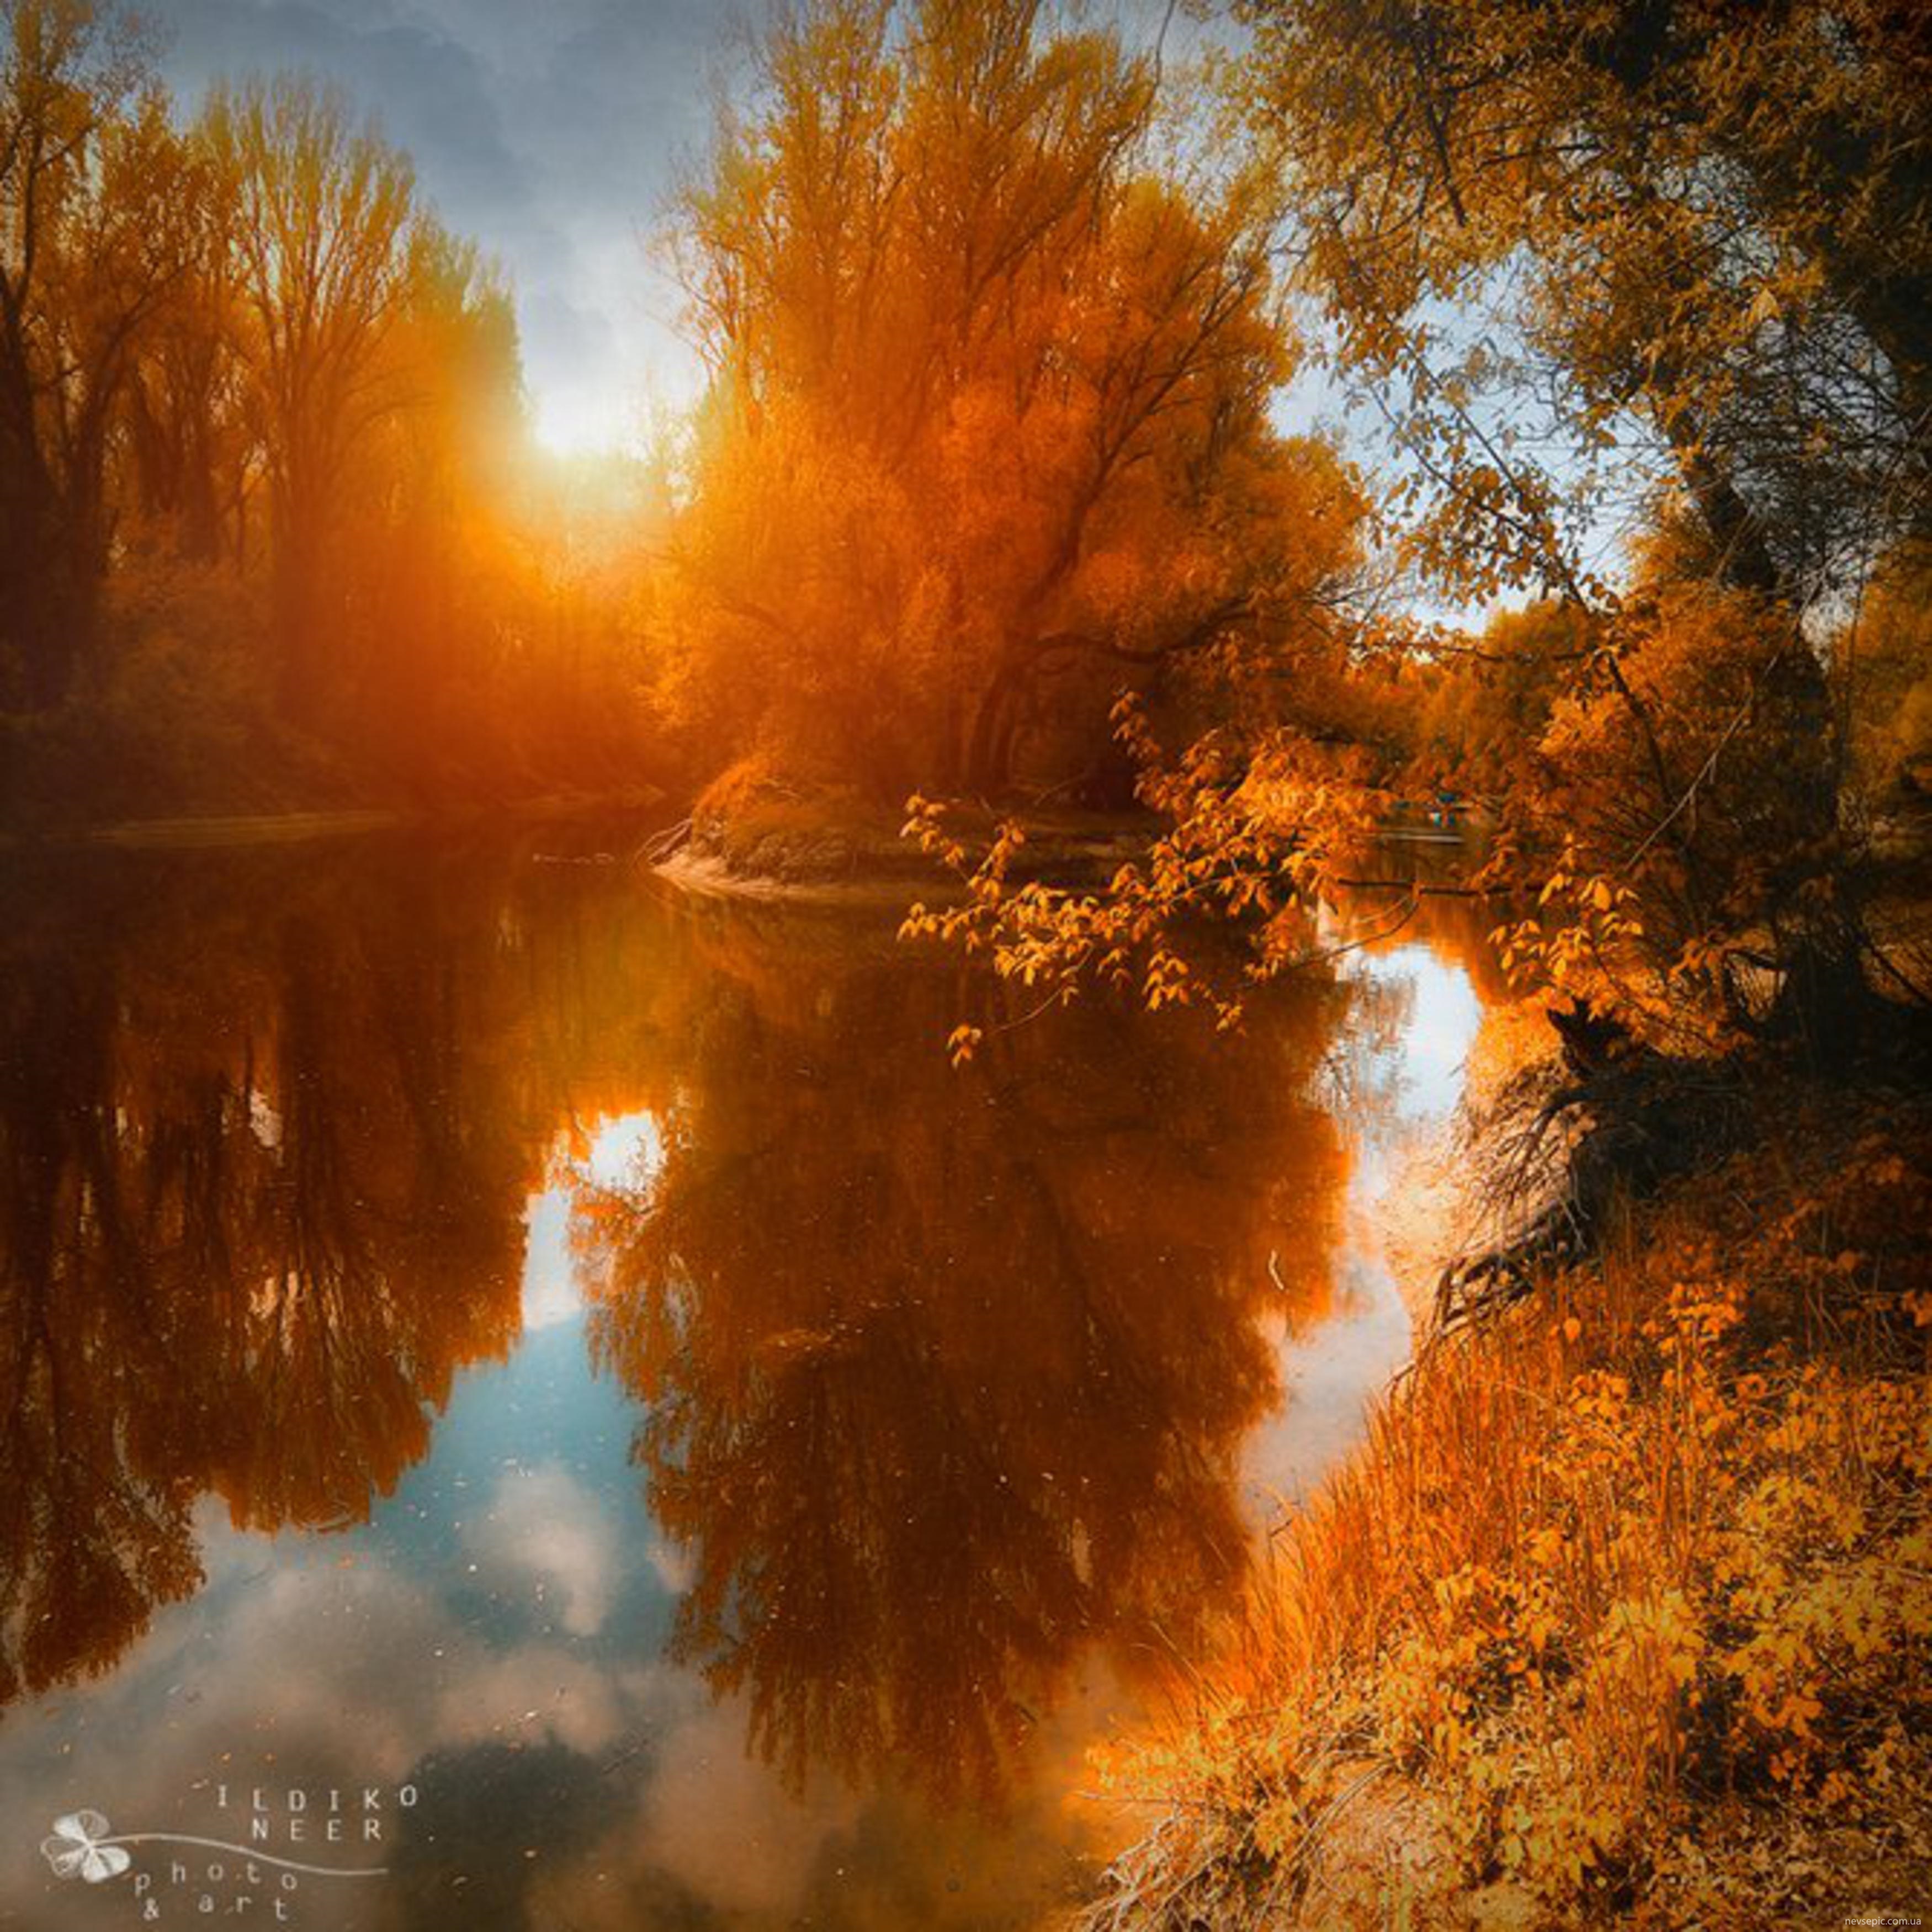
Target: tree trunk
{"points": [[1823, 999], [45, 601], [989, 744]]}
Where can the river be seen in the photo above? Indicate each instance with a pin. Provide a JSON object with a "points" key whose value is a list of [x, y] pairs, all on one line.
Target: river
{"points": [[531, 1403]]}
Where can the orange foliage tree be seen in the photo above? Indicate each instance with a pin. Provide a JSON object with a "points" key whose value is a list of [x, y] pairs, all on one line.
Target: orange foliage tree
{"points": [[986, 433], [322, 252], [1687, 248], [265, 524], [1705, 231], [93, 186]]}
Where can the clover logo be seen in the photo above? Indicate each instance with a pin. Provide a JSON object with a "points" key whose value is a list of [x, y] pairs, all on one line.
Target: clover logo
{"points": [[80, 1846]]}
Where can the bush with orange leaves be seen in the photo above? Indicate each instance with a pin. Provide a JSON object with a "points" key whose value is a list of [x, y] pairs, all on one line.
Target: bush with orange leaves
{"points": [[1678, 822], [1254, 829], [1623, 1610]]}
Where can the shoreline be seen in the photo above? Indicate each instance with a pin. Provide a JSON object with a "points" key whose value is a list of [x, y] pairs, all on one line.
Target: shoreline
{"points": [[1370, 1745], [197, 831], [706, 875]]}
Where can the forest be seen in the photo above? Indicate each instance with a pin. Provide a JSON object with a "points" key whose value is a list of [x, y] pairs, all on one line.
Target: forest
{"points": [[1001, 563], [272, 535]]}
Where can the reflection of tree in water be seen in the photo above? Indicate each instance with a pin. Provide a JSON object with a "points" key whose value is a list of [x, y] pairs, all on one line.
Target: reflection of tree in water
{"points": [[946, 1372], [1426, 901], [255, 1206], [84, 1550]]}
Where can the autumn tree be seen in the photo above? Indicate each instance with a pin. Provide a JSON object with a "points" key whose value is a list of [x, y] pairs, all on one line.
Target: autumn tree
{"points": [[421, 581], [1669, 259], [94, 188], [1884, 661], [324, 214], [1705, 232], [268, 520], [192, 440], [988, 414], [1489, 697]]}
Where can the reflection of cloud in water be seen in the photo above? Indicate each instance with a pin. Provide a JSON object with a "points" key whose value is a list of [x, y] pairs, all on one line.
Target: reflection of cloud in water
{"points": [[626, 1151], [674, 1566], [550, 1292], [539, 1693], [1435, 1043], [543, 1524], [721, 1822], [560, 1783], [282, 1673], [307, 1673]]}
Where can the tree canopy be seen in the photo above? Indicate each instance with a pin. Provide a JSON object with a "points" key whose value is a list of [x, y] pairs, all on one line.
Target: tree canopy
{"points": [[1664, 264], [987, 431]]}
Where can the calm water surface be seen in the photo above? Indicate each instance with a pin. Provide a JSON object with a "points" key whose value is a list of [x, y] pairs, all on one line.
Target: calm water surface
{"points": [[565, 1396]]}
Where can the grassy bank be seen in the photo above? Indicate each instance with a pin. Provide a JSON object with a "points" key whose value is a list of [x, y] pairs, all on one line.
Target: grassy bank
{"points": [[1623, 1611]]}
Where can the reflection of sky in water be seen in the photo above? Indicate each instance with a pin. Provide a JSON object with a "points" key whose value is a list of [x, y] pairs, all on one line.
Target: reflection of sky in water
{"points": [[494, 1634], [623, 1152], [1432, 1047], [497, 1631], [1332, 1373], [491, 1609]]}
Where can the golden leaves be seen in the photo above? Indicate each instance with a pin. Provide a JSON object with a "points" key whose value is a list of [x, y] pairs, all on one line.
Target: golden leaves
{"points": [[1629, 1541], [1251, 835]]}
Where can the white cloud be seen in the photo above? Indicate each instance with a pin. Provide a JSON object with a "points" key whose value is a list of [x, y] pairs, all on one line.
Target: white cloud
{"points": [[544, 1525]]}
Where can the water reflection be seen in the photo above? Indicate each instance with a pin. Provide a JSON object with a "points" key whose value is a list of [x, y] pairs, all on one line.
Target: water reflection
{"points": [[946, 1373], [256, 1204], [326, 1180]]}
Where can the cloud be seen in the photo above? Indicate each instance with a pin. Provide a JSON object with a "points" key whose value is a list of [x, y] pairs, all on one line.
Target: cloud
{"points": [[548, 135], [431, 95], [551, 135], [545, 1525]]}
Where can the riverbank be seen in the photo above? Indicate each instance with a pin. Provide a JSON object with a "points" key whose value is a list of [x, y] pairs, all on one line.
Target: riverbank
{"points": [[754, 833], [183, 764], [1621, 1611], [196, 831]]}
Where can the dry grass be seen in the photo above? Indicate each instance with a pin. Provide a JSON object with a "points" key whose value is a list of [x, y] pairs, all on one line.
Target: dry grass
{"points": [[1622, 1611]]}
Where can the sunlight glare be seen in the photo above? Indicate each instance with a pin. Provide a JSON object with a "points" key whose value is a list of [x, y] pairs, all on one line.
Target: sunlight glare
{"points": [[577, 422]]}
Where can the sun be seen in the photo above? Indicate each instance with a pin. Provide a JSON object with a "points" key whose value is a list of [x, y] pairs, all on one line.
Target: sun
{"points": [[577, 422]]}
